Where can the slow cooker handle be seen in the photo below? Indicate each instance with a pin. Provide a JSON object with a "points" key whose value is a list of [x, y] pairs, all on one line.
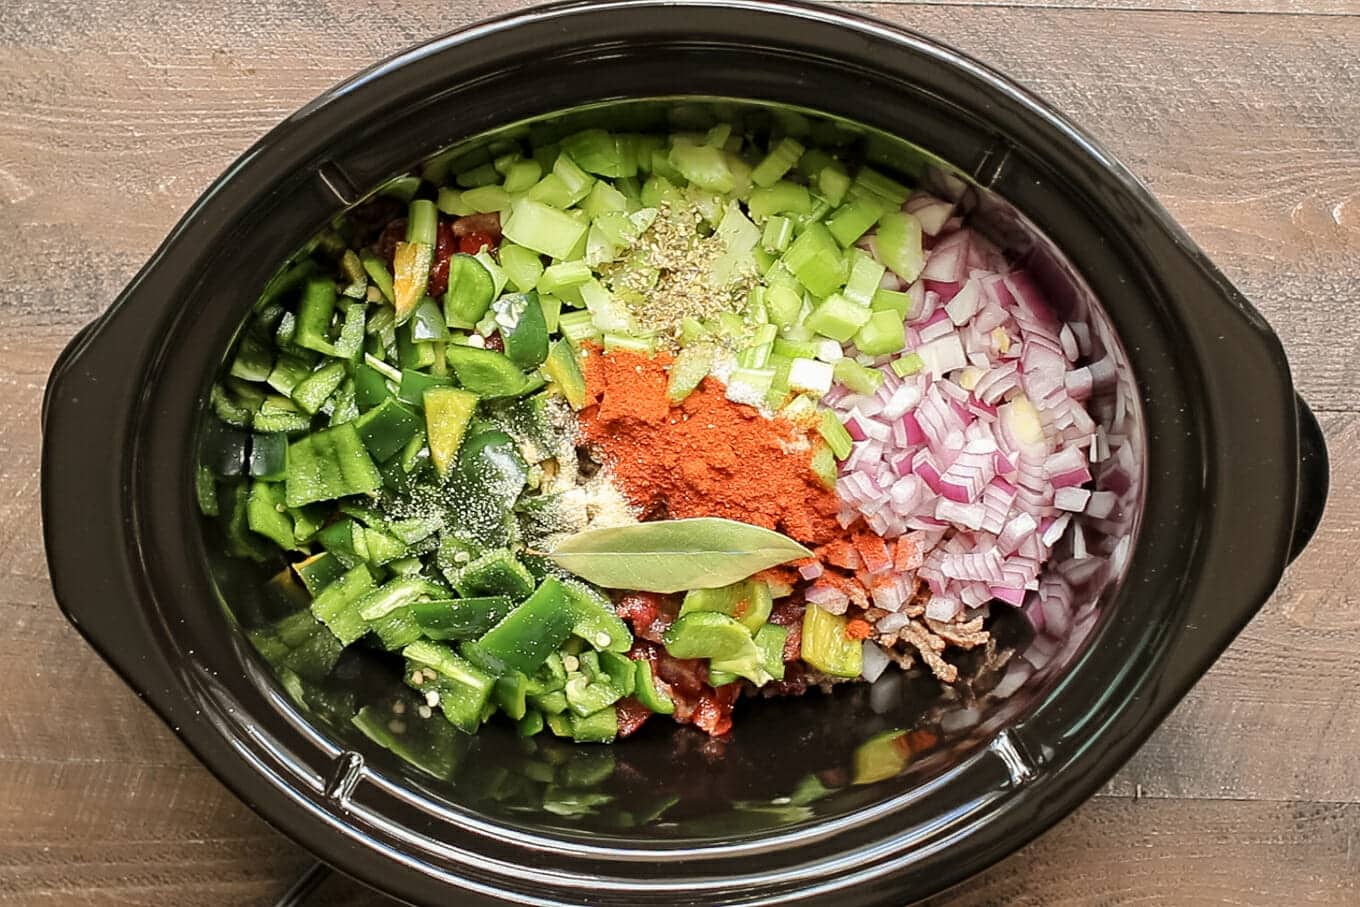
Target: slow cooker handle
{"points": [[1314, 478]]}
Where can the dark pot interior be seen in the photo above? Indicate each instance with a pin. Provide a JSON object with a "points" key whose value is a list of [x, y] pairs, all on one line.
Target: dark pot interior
{"points": [[789, 762], [1201, 421]]}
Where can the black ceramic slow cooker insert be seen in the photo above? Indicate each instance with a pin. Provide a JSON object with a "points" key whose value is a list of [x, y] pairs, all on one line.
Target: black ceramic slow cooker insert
{"points": [[1222, 477]]}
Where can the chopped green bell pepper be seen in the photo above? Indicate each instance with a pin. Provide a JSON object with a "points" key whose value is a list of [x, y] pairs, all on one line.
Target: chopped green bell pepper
{"points": [[646, 691], [463, 689], [826, 647], [329, 464], [337, 604], [448, 411], [525, 638], [461, 618], [387, 428], [487, 372]]}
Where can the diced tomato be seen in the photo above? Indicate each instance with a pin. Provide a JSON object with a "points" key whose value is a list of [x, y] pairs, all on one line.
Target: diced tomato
{"points": [[788, 613], [714, 711], [393, 233], [922, 740], [632, 715], [476, 231], [473, 243], [495, 341], [649, 614], [445, 244]]}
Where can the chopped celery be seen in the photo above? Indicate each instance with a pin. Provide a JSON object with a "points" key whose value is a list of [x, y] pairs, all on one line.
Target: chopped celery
{"points": [[871, 182], [521, 176], [838, 318], [451, 202], [891, 301], [810, 376], [688, 370], [899, 245], [749, 385], [780, 198], [865, 276], [824, 466], [578, 327], [833, 183], [542, 228], [859, 378], [602, 153], [782, 158], [909, 364], [611, 316], [604, 199], [485, 175], [563, 274], [816, 260], [835, 435], [552, 310], [704, 166], [486, 199], [645, 346], [882, 334], [777, 235], [783, 305]]}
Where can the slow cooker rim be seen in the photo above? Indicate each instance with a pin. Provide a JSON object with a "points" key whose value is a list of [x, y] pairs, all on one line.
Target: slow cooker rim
{"points": [[435, 48]]}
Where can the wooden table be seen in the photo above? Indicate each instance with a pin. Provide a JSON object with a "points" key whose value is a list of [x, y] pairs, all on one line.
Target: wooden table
{"points": [[1243, 115]]}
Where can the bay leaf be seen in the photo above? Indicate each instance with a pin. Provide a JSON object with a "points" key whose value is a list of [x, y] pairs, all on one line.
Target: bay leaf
{"points": [[674, 555]]}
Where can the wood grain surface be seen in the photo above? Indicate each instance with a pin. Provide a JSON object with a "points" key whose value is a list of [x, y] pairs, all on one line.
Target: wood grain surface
{"points": [[1243, 116]]}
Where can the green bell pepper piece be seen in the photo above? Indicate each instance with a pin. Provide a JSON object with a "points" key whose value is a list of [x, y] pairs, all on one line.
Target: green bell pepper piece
{"points": [[370, 387], [722, 639], [463, 689], [586, 696], [268, 456], [595, 620], [599, 727], [510, 694], [523, 328], [266, 515], [469, 293], [563, 368], [461, 618], [337, 605], [525, 638], [387, 428], [748, 601], [448, 411], [826, 647], [310, 393], [496, 573], [329, 464], [318, 571], [314, 315], [645, 689], [414, 384], [487, 372]]}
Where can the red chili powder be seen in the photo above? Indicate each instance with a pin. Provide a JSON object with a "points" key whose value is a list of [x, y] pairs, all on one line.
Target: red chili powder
{"points": [[706, 457]]}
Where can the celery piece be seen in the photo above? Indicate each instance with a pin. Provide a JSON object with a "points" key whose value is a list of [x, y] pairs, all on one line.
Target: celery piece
{"points": [[451, 202], [816, 260], [611, 316], [898, 245], [854, 218], [795, 349], [692, 330], [704, 166], [542, 228], [870, 181], [780, 198], [783, 305], [757, 352], [824, 466], [486, 199], [484, 175], [659, 190], [575, 180], [741, 175], [522, 266], [602, 153], [563, 274], [422, 222], [859, 378], [552, 310], [551, 191], [782, 158], [577, 327], [834, 434], [909, 364], [882, 334], [521, 176], [718, 135], [833, 183], [644, 346], [865, 276], [692, 364], [838, 318], [826, 647], [603, 199], [777, 235], [891, 301], [802, 409], [749, 385]]}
